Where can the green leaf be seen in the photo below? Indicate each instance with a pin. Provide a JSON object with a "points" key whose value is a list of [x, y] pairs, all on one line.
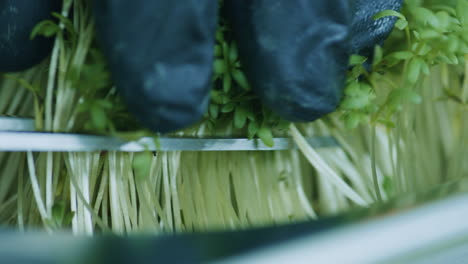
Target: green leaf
{"points": [[424, 50], [358, 96], [425, 15], [425, 69], [444, 20], [401, 55], [353, 88], [378, 55], [449, 59], [283, 124], [401, 95], [228, 108], [227, 83], [396, 58], [219, 66], [217, 96], [414, 70], [462, 11], [98, 118], [264, 133], [233, 53], [252, 129], [387, 123], [356, 72], [356, 60], [241, 80], [428, 34], [387, 13], [250, 114], [352, 120], [218, 51], [46, 28], [219, 36], [225, 50], [401, 24], [463, 48], [214, 110], [453, 43], [453, 58], [240, 117]]}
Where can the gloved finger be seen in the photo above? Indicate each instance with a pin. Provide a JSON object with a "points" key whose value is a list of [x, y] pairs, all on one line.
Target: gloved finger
{"points": [[367, 32], [294, 52], [17, 19], [160, 54]]}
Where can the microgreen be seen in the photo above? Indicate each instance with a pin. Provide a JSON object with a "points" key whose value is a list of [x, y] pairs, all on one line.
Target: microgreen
{"points": [[432, 37], [233, 103]]}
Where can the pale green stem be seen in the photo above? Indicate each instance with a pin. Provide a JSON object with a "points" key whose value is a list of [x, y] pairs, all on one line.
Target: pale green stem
{"points": [[465, 83], [322, 166], [374, 165], [35, 186]]}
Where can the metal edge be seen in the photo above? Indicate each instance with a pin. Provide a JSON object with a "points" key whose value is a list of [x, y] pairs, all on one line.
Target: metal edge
{"points": [[57, 142]]}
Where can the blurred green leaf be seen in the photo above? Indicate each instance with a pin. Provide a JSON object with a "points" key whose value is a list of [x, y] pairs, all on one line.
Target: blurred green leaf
{"points": [[414, 69], [252, 129], [241, 80], [228, 108], [46, 28], [240, 117], [264, 133], [219, 66], [387, 13]]}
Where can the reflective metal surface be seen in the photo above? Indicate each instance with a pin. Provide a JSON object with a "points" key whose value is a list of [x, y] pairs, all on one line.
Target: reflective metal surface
{"points": [[23, 139]]}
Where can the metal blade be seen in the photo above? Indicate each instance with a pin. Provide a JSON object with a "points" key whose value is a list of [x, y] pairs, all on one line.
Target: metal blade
{"points": [[16, 135], [55, 142]]}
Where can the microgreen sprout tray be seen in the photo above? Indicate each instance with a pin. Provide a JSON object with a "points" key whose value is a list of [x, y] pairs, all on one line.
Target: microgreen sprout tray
{"points": [[72, 157]]}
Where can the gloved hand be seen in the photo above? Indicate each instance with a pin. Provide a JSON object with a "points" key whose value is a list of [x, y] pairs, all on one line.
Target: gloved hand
{"points": [[294, 52], [17, 19]]}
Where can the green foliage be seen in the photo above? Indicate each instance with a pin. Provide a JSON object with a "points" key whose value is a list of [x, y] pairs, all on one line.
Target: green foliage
{"points": [[46, 28], [99, 108], [433, 34], [233, 103]]}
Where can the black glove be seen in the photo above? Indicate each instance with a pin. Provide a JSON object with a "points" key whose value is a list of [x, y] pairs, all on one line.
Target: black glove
{"points": [[295, 52], [17, 20], [161, 56], [367, 32]]}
